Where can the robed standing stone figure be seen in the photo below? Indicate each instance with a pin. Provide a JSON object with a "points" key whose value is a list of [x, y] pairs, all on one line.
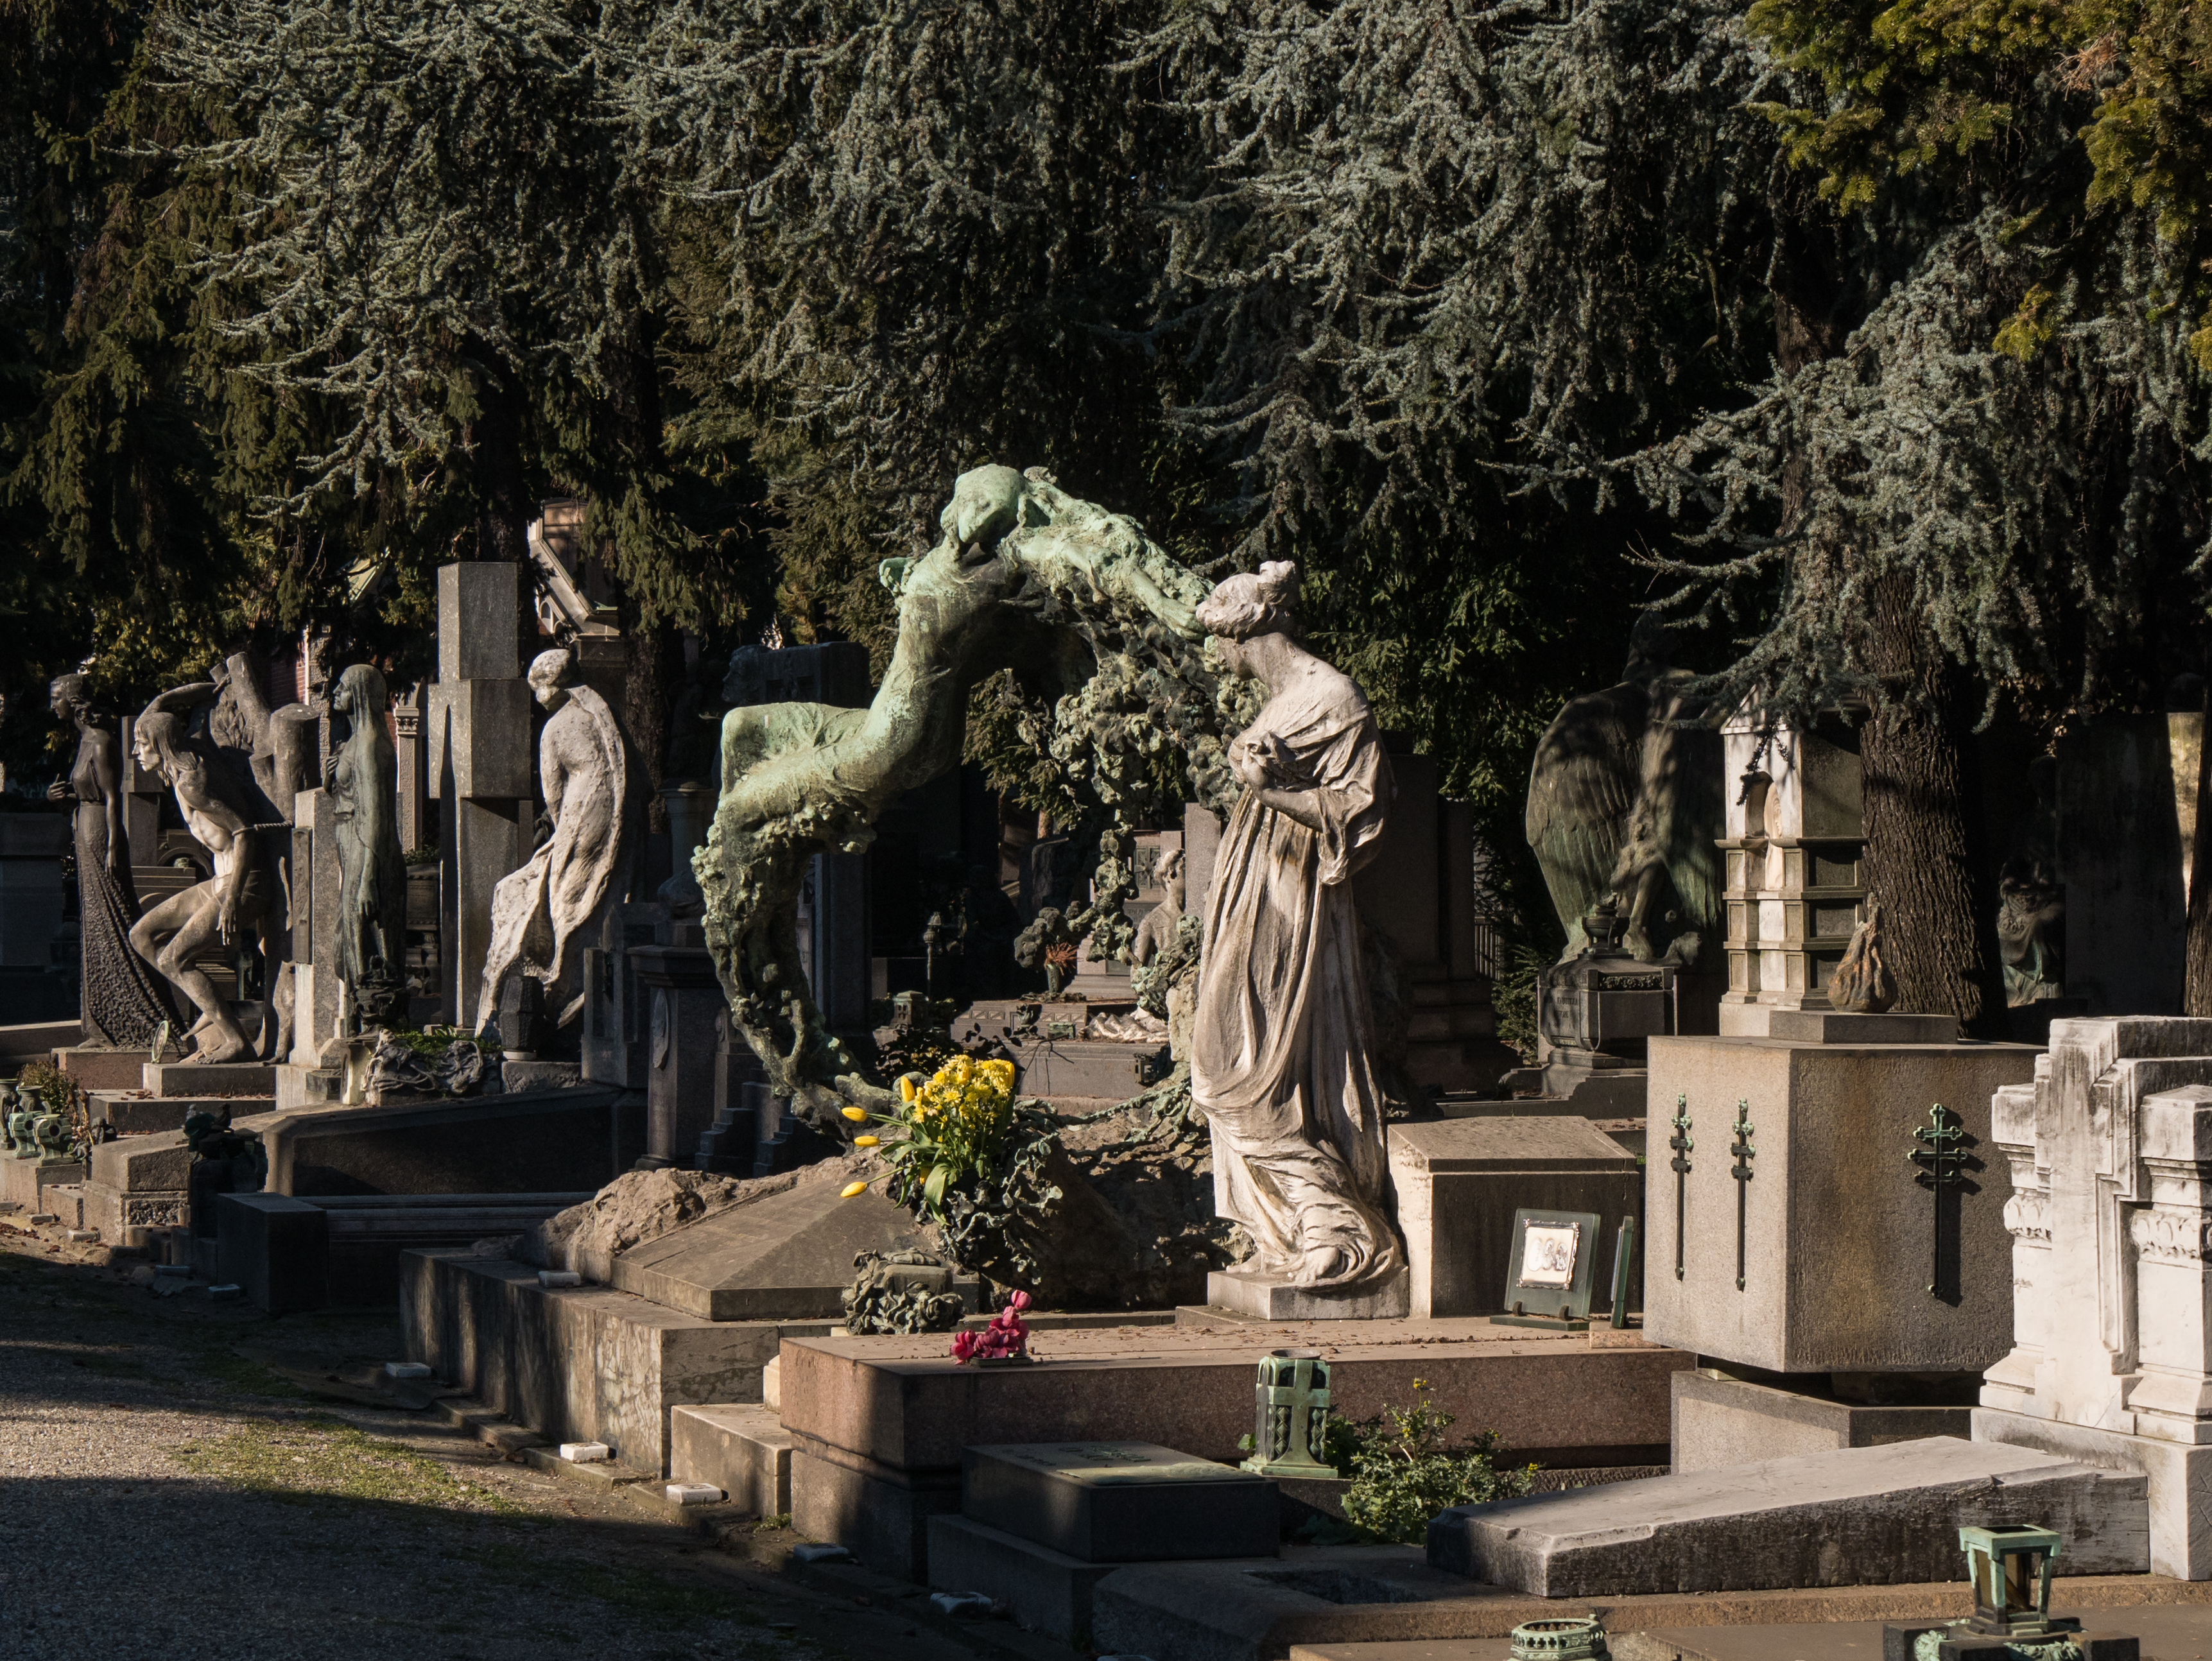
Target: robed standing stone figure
{"points": [[362, 776], [1283, 1046], [124, 1003], [544, 915]]}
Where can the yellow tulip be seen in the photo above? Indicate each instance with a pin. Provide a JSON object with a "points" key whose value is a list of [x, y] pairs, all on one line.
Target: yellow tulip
{"points": [[906, 1091], [850, 1189], [865, 1141], [858, 1115]]}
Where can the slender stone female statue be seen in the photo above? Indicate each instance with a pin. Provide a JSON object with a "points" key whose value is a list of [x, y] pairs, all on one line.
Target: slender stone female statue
{"points": [[1280, 1052], [122, 1001], [542, 915], [362, 776], [232, 904]]}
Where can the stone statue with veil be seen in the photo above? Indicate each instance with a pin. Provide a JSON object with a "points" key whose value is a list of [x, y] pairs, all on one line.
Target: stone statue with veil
{"points": [[1283, 1049]]}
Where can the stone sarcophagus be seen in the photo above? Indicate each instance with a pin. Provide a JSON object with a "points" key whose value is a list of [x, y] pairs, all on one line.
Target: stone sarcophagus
{"points": [[2111, 1151]]}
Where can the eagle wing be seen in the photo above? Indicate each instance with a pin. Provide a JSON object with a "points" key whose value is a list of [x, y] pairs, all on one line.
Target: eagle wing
{"points": [[1583, 785]]}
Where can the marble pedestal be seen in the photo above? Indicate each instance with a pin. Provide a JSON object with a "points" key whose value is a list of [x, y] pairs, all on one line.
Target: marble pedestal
{"points": [[1262, 1298], [2111, 1213]]}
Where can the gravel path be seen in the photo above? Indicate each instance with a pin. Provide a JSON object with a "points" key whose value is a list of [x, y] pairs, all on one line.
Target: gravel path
{"points": [[184, 1480]]}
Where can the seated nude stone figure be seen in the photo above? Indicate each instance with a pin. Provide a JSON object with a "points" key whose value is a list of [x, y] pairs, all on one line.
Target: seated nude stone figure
{"points": [[229, 905]]}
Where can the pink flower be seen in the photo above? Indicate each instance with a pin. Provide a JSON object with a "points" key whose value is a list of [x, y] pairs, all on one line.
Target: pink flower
{"points": [[963, 1345]]}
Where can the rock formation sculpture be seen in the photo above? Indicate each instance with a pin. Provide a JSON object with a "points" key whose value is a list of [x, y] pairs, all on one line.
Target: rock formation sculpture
{"points": [[1861, 984], [233, 906], [1625, 800], [1282, 1051], [362, 776], [544, 915], [122, 1001]]}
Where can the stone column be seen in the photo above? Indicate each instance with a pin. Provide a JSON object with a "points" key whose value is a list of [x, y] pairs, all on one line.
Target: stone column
{"points": [[2011, 1382], [479, 765], [314, 918], [414, 772]]}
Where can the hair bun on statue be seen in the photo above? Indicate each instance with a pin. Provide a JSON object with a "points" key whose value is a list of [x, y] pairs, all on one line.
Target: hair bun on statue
{"points": [[1248, 604]]}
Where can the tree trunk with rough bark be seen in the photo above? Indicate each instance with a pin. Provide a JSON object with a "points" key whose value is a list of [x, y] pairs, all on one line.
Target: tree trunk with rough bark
{"points": [[1925, 863]]}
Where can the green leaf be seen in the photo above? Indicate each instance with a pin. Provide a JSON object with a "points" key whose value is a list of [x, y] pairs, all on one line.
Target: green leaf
{"points": [[933, 1192]]}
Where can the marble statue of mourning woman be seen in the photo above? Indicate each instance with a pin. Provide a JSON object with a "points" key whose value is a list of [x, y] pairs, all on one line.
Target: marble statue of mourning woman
{"points": [[544, 915], [1283, 1046], [231, 906], [124, 1003], [362, 776]]}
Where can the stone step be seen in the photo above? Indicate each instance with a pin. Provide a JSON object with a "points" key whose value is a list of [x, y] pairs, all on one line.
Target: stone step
{"points": [[133, 1113], [741, 1448], [1860, 1516], [185, 1078]]}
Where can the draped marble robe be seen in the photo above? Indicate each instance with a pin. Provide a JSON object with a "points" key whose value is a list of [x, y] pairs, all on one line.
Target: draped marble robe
{"points": [[1281, 1054]]}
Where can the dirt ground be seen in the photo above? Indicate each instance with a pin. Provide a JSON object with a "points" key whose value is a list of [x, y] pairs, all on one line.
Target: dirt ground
{"points": [[189, 1479]]}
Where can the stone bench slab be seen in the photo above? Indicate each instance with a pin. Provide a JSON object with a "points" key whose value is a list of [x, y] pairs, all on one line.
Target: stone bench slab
{"points": [[1863, 1516]]}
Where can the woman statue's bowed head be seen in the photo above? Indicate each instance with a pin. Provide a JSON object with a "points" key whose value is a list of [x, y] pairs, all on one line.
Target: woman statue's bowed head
{"points": [[1282, 1052]]}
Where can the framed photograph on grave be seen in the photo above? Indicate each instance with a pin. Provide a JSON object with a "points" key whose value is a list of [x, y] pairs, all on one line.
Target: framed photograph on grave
{"points": [[1547, 1277]]}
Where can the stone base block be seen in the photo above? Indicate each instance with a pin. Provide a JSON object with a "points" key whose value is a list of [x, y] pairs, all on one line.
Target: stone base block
{"points": [[1841, 1027], [277, 1248], [741, 1449], [1119, 1502], [2179, 1479], [1461, 1180], [1720, 1421], [879, 1513], [112, 1209], [97, 1068], [133, 1114], [1866, 1516], [1047, 1591], [307, 1087], [25, 1181], [1837, 1239], [1086, 1067], [581, 1364], [183, 1078], [518, 1076], [1266, 1300]]}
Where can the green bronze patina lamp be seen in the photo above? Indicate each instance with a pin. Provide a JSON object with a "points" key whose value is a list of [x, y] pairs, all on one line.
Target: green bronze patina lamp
{"points": [[2010, 1567], [1290, 1404]]}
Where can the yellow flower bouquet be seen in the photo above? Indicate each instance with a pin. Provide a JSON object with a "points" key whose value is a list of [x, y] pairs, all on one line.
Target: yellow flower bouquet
{"points": [[955, 1126]]}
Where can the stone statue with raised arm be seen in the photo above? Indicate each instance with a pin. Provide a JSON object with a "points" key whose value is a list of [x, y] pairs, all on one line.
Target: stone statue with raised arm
{"points": [[230, 906]]}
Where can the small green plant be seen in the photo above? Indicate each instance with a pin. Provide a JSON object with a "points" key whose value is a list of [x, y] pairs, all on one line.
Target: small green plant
{"points": [[1403, 1473], [433, 1042]]}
